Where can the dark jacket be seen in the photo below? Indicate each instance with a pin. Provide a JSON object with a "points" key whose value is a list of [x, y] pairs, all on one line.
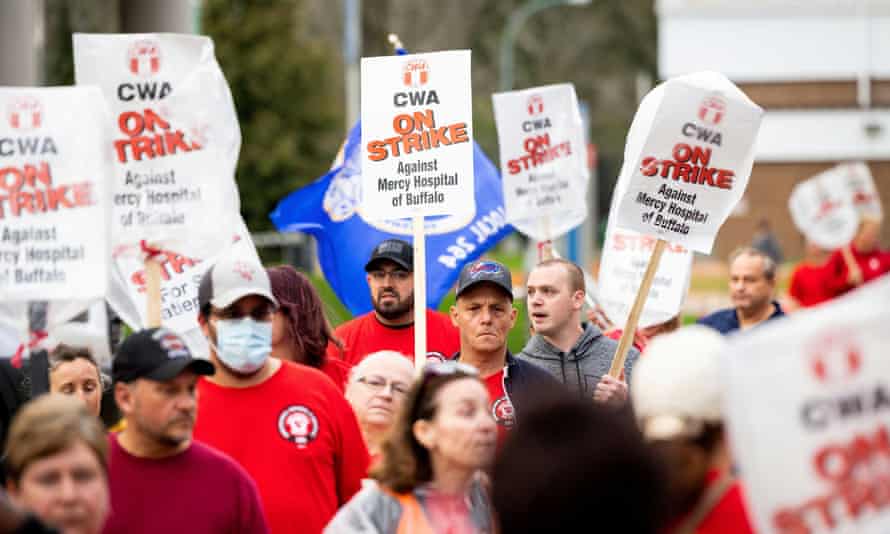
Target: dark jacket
{"points": [[525, 383], [727, 320], [581, 368]]}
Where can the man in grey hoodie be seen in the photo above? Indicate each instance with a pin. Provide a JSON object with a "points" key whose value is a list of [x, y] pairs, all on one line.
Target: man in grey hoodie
{"points": [[577, 354]]}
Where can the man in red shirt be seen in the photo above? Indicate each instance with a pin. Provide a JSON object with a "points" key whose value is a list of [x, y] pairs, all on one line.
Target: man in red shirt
{"points": [[864, 259], [483, 312], [390, 326], [161, 480], [287, 424]]}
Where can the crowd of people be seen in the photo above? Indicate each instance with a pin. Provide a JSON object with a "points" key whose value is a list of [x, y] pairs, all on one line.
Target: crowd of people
{"points": [[292, 426]]}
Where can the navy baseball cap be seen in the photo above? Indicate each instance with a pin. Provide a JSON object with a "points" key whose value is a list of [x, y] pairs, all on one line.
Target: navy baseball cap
{"points": [[484, 271], [156, 354], [394, 250]]}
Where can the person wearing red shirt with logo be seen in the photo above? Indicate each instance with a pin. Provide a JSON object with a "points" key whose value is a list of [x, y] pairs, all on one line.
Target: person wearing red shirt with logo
{"points": [[390, 325], [868, 260], [483, 312], [677, 398], [287, 424]]}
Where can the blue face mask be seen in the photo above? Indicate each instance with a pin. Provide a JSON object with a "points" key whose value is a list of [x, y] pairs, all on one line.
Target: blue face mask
{"points": [[244, 345]]}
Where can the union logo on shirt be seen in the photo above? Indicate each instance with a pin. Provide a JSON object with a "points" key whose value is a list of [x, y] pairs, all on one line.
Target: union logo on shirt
{"points": [[298, 425], [502, 411]]}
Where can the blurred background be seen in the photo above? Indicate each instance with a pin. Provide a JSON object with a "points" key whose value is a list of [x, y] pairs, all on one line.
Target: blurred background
{"points": [[820, 68]]}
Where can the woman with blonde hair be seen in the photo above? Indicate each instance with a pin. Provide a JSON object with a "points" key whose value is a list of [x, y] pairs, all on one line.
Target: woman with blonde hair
{"points": [[429, 479], [57, 464]]}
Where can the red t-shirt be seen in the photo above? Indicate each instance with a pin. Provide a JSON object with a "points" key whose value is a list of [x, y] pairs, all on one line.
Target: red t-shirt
{"points": [[872, 264], [337, 370], [729, 515], [808, 284], [501, 408], [366, 334], [297, 437], [199, 490]]}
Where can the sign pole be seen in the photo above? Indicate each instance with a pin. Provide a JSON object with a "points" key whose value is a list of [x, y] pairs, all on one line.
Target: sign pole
{"points": [[419, 293], [152, 287], [853, 270], [630, 327]]}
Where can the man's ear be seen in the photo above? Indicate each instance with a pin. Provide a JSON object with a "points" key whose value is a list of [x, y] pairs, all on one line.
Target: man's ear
{"points": [[424, 433], [453, 314], [513, 314], [123, 396], [578, 299]]}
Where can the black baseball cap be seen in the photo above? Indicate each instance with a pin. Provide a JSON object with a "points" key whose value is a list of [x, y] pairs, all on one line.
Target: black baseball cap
{"points": [[395, 250], [484, 271], [156, 354]]}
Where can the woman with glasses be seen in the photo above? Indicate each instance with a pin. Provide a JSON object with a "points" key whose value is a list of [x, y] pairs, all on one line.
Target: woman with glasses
{"points": [[300, 331], [376, 391], [428, 479]]}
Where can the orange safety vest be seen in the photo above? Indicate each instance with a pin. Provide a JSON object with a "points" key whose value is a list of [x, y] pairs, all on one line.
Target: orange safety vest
{"points": [[413, 520]]}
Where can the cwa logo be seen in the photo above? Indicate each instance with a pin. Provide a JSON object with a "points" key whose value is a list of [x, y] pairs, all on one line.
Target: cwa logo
{"points": [[535, 105], [25, 113], [833, 360], [144, 58], [712, 110], [415, 73]]}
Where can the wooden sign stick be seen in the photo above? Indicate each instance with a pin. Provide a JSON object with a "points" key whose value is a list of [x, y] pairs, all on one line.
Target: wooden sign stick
{"points": [[630, 327], [853, 270], [152, 286], [419, 293]]}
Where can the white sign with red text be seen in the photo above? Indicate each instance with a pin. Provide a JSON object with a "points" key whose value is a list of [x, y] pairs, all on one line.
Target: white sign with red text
{"points": [[543, 159], [175, 141], [866, 198], [822, 207], [417, 136], [692, 164], [180, 278], [54, 203], [808, 412]]}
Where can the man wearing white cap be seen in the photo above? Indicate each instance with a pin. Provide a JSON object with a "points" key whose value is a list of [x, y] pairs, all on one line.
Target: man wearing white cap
{"points": [[287, 424], [676, 395]]}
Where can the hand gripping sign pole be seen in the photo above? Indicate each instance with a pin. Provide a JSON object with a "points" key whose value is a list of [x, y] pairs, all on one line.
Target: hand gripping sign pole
{"points": [[687, 161], [417, 150]]}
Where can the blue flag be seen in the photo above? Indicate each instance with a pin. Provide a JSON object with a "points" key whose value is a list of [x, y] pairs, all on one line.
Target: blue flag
{"points": [[329, 209]]}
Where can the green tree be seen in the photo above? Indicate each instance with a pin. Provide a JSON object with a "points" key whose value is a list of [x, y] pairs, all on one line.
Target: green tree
{"points": [[281, 84]]}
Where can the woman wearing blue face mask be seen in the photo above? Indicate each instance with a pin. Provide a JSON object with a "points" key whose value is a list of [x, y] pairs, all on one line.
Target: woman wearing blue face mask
{"points": [[287, 424]]}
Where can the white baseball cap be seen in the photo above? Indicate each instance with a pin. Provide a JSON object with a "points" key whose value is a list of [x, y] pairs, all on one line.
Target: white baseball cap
{"points": [[232, 278], [676, 383]]}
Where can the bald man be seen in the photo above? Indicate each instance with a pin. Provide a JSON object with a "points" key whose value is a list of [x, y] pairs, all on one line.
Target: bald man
{"points": [[376, 388]]}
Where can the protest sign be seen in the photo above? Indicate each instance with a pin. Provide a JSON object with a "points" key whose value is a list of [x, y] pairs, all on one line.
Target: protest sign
{"points": [[822, 208], [866, 198], [417, 149], [180, 277], [807, 403], [693, 165], [175, 143], [625, 257], [543, 159], [328, 210], [54, 210]]}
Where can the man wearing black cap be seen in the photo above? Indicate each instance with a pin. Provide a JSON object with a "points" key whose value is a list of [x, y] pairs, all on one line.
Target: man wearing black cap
{"points": [[390, 326], [483, 312], [287, 424], [160, 479]]}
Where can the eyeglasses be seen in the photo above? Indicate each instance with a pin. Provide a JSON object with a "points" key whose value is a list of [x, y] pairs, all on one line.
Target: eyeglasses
{"points": [[398, 275], [260, 313], [378, 384]]}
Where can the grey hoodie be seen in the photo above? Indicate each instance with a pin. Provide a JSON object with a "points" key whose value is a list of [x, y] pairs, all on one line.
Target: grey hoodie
{"points": [[581, 368]]}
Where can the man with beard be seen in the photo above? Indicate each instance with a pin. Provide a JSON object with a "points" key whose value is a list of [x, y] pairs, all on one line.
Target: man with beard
{"points": [[752, 282], [155, 387], [390, 326], [287, 424]]}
